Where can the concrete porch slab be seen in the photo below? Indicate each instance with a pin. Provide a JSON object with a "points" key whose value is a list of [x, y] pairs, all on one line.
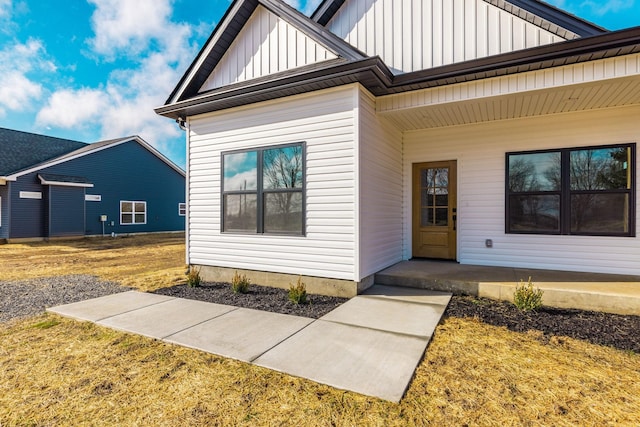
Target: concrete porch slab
{"points": [[612, 293], [421, 296], [166, 318], [367, 361], [390, 315], [107, 306], [241, 334]]}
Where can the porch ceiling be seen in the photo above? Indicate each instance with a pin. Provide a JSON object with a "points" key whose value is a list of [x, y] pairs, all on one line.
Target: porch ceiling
{"points": [[579, 97]]}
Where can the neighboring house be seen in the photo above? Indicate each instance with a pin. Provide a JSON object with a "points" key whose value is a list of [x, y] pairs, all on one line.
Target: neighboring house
{"points": [[52, 187], [490, 132]]}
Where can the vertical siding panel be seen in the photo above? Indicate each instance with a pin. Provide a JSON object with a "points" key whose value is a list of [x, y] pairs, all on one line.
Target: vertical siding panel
{"points": [[265, 45], [459, 31], [438, 34], [410, 35], [427, 37], [470, 25], [482, 32], [417, 35]]}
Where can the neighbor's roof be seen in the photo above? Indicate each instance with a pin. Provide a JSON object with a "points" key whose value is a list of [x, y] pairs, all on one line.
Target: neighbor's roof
{"points": [[19, 150], [83, 150]]}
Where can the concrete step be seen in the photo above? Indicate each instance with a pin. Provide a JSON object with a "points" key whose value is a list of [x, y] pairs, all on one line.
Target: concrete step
{"points": [[586, 291]]}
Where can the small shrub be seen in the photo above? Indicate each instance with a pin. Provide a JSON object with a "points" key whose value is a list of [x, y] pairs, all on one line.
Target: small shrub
{"points": [[526, 297], [193, 278], [298, 292], [240, 283]]}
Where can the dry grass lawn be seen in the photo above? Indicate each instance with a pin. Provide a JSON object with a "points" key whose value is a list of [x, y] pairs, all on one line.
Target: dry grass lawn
{"points": [[56, 371], [146, 262]]}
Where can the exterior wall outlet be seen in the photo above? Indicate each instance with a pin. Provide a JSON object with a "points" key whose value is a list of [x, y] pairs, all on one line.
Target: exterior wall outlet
{"points": [[488, 243]]}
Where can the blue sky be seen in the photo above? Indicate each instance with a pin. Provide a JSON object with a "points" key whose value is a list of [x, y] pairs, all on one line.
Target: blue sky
{"points": [[94, 69]]}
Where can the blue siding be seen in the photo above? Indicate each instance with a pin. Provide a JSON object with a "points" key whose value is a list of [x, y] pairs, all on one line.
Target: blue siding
{"points": [[65, 211], [128, 172], [4, 211], [27, 215]]}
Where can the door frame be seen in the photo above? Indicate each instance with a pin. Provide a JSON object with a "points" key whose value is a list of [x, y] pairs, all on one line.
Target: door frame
{"points": [[453, 204]]}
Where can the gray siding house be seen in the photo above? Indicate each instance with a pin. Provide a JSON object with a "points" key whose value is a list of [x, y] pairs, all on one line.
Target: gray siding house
{"points": [[52, 187]]}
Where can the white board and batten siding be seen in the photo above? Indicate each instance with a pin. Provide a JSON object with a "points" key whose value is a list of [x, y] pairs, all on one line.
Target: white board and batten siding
{"points": [[480, 151], [380, 189], [265, 45], [326, 121], [413, 35]]}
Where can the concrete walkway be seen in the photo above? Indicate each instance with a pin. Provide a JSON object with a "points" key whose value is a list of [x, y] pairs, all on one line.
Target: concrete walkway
{"points": [[371, 344]]}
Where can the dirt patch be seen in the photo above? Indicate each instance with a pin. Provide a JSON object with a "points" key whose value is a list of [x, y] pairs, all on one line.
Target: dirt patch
{"points": [[257, 298]]}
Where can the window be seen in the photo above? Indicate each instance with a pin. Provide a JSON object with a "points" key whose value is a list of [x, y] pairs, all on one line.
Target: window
{"points": [[133, 212], [182, 209], [263, 190], [577, 191]]}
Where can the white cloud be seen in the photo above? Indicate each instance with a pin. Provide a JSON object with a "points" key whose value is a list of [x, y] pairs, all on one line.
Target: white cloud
{"points": [[125, 26], [18, 64], [156, 52], [293, 3], [5, 9], [72, 108], [601, 8]]}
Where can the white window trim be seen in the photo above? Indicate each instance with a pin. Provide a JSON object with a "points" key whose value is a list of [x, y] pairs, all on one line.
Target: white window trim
{"points": [[182, 209], [133, 212]]}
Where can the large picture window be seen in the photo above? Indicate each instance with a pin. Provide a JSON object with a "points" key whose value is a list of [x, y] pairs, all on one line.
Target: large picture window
{"points": [[133, 212], [263, 190], [578, 191]]}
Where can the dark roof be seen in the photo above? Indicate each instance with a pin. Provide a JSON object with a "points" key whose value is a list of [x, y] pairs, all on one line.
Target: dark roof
{"points": [[328, 8], [230, 26], [19, 150], [373, 74]]}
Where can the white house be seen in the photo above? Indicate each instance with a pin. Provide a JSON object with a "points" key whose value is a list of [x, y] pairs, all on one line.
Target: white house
{"points": [[489, 132]]}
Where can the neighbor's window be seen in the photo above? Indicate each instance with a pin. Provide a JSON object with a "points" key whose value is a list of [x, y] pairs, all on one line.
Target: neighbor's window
{"points": [[133, 212], [182, 209], [262, 190], [588, 191]]}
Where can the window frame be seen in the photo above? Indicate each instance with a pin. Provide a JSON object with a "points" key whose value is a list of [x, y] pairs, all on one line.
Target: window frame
{"points": [[182, 209], [260, 191], [565, 192], [133, 212]]}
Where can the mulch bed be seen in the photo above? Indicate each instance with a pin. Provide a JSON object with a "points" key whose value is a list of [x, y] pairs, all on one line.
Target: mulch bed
{"points": [[622, 332], [258, 298], [614, 330]]}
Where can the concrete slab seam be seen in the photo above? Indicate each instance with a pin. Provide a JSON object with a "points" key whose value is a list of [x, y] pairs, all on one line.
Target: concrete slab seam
{"points": [[134, 309], [404, 334], [397, 299], [199, 323], [283, 340]]}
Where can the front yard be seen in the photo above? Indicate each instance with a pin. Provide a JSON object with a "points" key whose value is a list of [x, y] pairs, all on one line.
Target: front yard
{"points": [[55, 371]]}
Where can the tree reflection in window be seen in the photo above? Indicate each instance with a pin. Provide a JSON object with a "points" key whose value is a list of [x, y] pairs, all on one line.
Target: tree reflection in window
{"points": [[572, 191], [263, 190]]}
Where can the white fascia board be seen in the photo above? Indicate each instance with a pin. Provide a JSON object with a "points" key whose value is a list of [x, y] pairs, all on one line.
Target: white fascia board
{"points": [[65, 184]]}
